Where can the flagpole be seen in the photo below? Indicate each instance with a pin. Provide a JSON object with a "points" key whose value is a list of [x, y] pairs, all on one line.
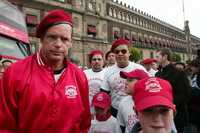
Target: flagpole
{"points": [[183, 10]]}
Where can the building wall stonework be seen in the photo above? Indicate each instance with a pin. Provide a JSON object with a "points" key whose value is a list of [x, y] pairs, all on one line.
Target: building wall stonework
{"points": [[97, 23]]}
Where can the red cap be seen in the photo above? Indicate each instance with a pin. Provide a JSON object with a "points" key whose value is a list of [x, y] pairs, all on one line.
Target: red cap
{"points": [[52, 18], [94, 52], [101, 100], [151, 92], [118, 42], [137, 74], [149, 61]]}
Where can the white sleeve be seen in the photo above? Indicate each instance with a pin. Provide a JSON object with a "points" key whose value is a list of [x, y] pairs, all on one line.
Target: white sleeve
{"points": [[120, 117], [91, 130], [117, 128]]}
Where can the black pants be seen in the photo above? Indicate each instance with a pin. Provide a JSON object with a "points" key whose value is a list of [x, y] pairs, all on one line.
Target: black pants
{"points": [[114, 112]]}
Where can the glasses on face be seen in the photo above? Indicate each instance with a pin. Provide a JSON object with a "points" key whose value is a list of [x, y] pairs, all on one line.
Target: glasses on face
{"points": [[123, 51], [96, 59]]}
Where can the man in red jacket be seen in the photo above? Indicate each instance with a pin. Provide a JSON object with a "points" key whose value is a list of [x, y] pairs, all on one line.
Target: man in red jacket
{"points": [[46, 93]]}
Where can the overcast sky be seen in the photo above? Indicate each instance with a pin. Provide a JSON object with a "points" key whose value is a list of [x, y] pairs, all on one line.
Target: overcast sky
{"points": [[171, 11]]}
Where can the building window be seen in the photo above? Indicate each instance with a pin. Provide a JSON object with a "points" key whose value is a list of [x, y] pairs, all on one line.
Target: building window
{"points": [[127, 18], [134, 37], [98, 8], [114, 13], [31, 20], [141, 38], [104, 28], [151, 54], [116, 34], [141, 23], [92, 5], [110, 12], [123, 16], [91, 30], [131, 19], [119, 15], [126, 36], [76, 22], [134, 20]]}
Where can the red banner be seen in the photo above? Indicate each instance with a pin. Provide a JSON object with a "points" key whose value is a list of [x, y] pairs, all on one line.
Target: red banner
{"points": [[10, 57], [13, 32]]}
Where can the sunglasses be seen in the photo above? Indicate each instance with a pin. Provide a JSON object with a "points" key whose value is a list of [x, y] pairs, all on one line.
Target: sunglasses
{"points": [[123, 51], [96, 59]]}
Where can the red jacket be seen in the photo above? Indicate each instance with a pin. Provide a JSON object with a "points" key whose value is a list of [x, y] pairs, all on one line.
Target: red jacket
{"points": [[32, 102]]}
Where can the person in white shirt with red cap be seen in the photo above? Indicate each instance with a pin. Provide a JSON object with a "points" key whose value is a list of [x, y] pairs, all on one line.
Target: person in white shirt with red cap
{"points": [[126, 113], [113, 83], [104, 122], [149, 64], [95, 74]]}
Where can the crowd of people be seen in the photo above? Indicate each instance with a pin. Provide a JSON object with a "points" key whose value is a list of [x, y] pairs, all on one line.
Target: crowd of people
{"points": [[47, 93]]}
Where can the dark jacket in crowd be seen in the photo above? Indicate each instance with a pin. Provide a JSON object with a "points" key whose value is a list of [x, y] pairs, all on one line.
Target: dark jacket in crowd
{"points": [[179, 81], [194, 103], [181, 92]]}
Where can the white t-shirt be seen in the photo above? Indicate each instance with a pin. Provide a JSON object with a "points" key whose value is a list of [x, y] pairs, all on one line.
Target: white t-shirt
{"points": [[95, 80], [109, 126], [126, 115], [115, 84], [152, 72]]}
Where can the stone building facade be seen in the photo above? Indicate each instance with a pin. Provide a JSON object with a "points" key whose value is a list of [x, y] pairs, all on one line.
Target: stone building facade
{"points": [[98, 22]]}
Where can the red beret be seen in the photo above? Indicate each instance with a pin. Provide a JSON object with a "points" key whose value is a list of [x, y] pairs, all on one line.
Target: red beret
{"points": [[118, 42], [94, 52], [149, 61], [52, 18]]}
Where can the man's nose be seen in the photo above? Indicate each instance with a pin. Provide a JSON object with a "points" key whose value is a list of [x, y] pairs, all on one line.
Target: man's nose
{"points": [[58, 42], [156, 117]]}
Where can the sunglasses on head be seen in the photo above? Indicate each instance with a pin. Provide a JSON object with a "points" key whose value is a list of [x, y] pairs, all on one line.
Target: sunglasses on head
{"points": [[123, 51]]}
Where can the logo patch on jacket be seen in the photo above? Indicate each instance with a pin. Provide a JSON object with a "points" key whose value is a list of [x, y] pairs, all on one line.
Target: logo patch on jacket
{"points": [[71, 91]]}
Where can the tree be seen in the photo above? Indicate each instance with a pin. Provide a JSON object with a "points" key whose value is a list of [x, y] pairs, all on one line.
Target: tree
{"points": [[135, 54], [176, 57]]}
